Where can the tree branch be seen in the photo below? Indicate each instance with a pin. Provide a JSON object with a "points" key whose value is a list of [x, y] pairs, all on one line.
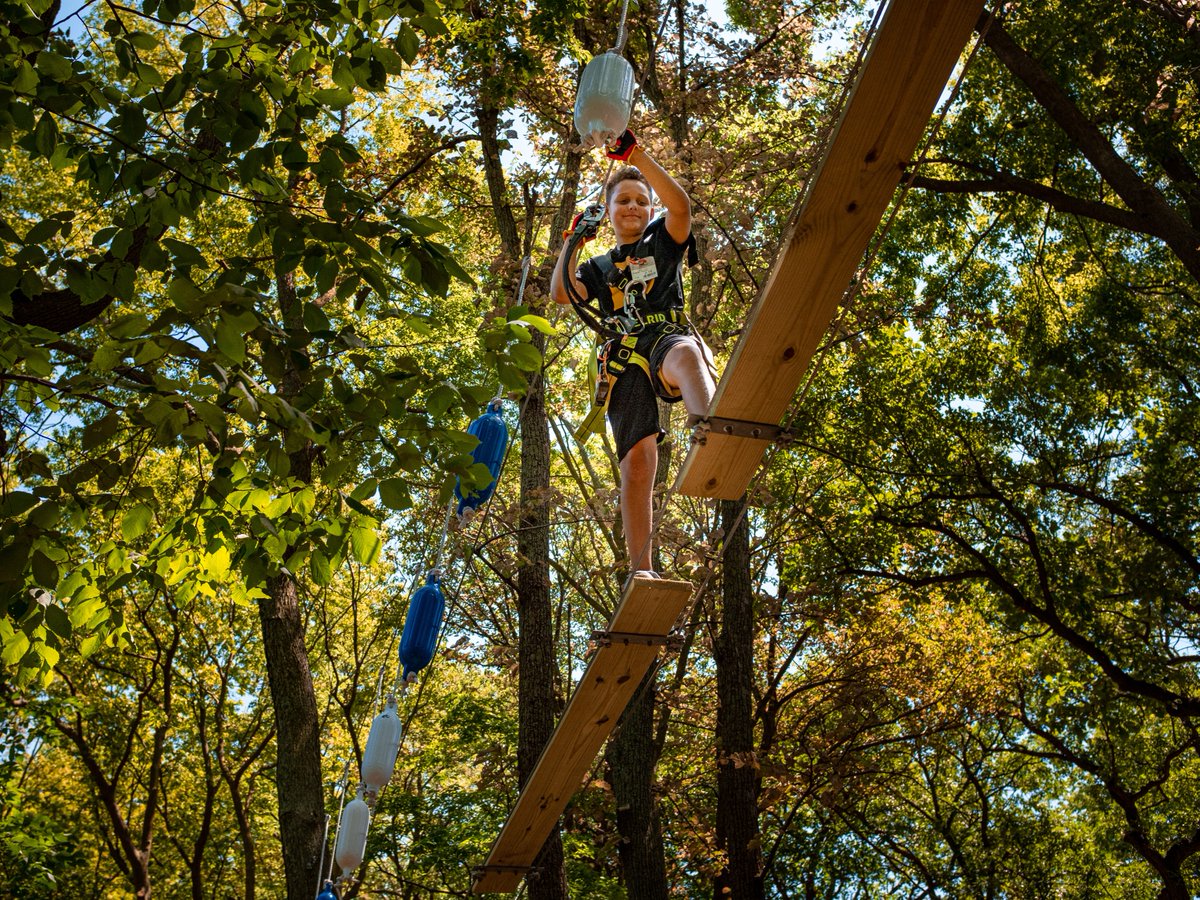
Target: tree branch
{"points": [[1139, 194]]}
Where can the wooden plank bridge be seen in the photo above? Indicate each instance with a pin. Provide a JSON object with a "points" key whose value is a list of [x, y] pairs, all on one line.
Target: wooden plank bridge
{"points": [[903, 74]]}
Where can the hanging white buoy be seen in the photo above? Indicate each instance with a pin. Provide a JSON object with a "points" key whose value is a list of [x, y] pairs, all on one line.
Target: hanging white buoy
{"points": [[352, 834], [383, 743], [605, 99]]}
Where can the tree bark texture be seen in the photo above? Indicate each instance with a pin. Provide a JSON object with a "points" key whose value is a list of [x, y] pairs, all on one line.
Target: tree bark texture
{"points": [[298, 749], [631, 757], [738, 779]]}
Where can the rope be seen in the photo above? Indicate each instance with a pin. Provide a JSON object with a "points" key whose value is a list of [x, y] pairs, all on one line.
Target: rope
{"points": [[345, 783], [321, 862], [622, 33]]}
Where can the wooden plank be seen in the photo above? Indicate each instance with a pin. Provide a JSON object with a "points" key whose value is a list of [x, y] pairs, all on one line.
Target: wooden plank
{"points": [[906, 69], [649, 607]]}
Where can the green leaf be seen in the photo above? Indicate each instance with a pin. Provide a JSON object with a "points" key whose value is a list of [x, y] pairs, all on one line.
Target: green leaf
{"points": [[334, 98], [343, 73], [57, 621], [395, 494], [542, 325], [440, 400], [42, 231], [408, 456], [97, 432], [364, 544], [392, 62], [230, 341], [26, 79], [526, 357], [45, 570], [319, 567], [136, 522], [81, 613], [366, 490], [408, 44], [107, 356], [15, 647], [185, 295], [129, 325], [143, 40], [301, 60], [53, 67], [90, 644], [16, 503], [191, 42]]}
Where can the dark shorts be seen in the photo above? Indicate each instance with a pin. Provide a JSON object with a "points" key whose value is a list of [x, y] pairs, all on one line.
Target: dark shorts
{"points": [[633, 409]]}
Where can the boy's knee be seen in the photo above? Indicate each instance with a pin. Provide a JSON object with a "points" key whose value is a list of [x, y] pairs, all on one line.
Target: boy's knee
{"points": [[685, 353], [642, 456]]}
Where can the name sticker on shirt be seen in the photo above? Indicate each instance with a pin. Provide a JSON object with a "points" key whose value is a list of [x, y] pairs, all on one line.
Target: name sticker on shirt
{"points": [[643, 270]]}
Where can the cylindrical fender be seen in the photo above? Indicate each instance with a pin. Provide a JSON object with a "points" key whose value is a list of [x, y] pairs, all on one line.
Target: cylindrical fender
{"points": [[383, 742], [352, 834], [492, 431], [604, 100], [421, 626]]}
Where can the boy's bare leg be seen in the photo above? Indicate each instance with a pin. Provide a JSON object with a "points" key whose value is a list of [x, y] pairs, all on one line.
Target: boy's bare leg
{"points": [[637, 499], [685, 368]]}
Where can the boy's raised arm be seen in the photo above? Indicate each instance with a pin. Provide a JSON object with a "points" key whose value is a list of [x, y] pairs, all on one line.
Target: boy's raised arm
{"points": [[673, 197]]}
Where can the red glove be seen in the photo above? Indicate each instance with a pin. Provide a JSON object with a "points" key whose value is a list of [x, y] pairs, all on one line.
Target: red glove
{"points": [[586, 229], [622, 147]]}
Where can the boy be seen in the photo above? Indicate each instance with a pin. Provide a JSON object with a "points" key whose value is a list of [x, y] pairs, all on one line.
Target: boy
{"points": [[637, 288]]}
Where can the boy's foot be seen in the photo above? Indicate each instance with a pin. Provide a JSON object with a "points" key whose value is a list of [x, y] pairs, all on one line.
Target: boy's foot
{"points": [[646, 573]]}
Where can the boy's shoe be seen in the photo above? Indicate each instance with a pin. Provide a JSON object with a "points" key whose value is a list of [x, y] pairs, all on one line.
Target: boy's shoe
{"points": [[646, 573]]}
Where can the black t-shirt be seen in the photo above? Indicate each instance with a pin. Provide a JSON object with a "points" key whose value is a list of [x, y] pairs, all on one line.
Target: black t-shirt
{"points": [[647, 273]]}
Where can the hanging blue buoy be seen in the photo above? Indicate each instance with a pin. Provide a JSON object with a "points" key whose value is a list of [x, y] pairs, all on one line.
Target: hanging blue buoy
{"points": [[421, 626], [492, 431]]}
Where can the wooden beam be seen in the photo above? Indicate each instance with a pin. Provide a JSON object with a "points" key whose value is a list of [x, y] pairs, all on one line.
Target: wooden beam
{"points": [[904, 73], [641, 624]]}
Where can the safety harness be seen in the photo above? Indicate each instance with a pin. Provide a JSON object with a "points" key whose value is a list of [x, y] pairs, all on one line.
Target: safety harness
{"points": [[620, 333]]}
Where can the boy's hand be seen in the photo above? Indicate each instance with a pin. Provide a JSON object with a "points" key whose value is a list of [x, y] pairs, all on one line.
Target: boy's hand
{"points": [[622, 147], [587, 229]]}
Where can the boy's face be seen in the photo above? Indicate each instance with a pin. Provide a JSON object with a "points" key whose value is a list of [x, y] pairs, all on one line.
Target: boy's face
{"points": [[629, 210]]}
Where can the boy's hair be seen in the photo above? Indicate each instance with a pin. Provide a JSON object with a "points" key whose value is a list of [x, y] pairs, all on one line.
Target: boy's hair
{"points": [[625, 173]]}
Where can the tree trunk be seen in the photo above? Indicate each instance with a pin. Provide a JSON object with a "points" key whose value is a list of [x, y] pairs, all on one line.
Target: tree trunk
{"points": [[737, 770], [535, 654], [298, 747], [632, 756], [536, 659]]}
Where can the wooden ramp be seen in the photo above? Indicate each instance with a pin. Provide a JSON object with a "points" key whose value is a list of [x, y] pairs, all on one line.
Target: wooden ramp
{"points": [[908, 64], [639, 628]]}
